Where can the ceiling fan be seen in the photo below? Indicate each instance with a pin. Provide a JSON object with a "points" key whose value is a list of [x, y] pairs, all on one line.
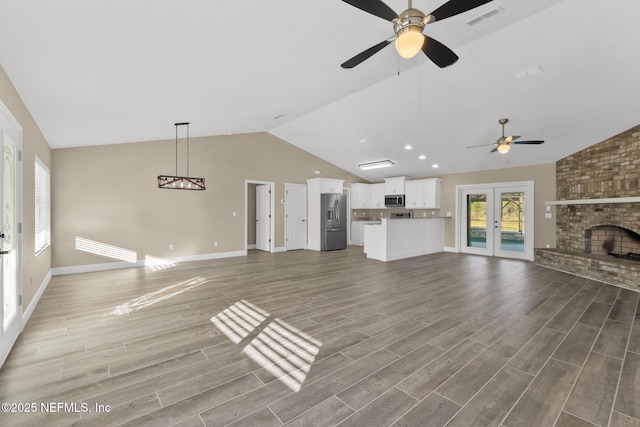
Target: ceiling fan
{"points": [[503, 144], [408, 27]]}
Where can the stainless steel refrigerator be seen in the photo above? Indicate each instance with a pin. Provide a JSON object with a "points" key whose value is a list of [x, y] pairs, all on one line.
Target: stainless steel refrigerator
{"points": [[333, 223]]}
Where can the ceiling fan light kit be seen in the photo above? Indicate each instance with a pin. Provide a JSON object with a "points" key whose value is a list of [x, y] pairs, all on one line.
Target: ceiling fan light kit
{"points": [[503, 148], [408, 28]]}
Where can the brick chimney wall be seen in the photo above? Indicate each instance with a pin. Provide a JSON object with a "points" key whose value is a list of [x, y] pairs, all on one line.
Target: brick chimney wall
{"points": [[610, 168]]}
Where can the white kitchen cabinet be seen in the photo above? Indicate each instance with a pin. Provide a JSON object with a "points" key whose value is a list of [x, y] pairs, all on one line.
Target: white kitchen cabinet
{"points": [[394, 239], [377, 196], [414, 194], [394, 185], [423, 194], [357, 233], [360, 196], [330, 185], [315, 187], [432, 193]]}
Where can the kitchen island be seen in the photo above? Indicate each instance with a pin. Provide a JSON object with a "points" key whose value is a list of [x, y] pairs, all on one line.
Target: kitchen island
{"points": [[404, 238]]}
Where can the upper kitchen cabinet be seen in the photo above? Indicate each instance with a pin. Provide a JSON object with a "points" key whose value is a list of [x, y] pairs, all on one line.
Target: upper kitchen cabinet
{"points": [[360, 196], [394, 185], [377, 196], [326, 185], [423, 193], [432, 193]]}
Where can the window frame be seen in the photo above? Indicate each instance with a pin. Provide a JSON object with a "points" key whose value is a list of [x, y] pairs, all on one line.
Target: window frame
{"points": [[42, 210]]}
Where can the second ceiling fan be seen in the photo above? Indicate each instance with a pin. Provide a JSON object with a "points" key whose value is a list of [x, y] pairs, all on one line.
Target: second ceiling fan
{"points": [[408, 26], [503, 144]]}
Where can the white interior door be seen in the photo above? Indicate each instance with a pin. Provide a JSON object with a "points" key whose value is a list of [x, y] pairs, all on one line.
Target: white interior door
{"points": [[497, 220], [9, 238], [263, 217], [295, 206]]}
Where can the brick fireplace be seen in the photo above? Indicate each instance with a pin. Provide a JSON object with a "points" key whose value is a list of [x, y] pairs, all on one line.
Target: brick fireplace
{"points": [[593, 239]]}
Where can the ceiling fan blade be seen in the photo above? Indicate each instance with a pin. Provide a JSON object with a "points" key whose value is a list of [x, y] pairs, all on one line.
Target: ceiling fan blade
{"points": [[374, 7], [441, 55], [365, 55], [455, 7], [494, 150], [529, 142], [481, 145], [511, 138]]}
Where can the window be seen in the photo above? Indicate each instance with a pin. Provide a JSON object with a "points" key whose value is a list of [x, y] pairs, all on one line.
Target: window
{"points": [[43, 207]]}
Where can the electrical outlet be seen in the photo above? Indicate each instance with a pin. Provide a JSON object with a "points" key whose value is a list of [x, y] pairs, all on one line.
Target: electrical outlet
{"points": [[548, 246], [215, 243], [170, 246], [234, 213]]}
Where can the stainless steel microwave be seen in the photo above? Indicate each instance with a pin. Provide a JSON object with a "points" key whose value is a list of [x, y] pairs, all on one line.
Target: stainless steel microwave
{"points": [[394, 200]]}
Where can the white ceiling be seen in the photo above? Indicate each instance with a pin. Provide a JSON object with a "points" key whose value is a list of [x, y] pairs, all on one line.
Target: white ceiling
{"points": [[116, 71]]}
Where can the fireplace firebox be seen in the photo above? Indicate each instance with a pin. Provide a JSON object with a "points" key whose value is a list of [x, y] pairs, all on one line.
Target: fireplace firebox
{"points": [[613, 241]]}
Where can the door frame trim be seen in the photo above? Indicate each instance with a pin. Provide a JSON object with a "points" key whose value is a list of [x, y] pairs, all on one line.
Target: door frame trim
{"points": [[272, 211], [461, 188], [19, 135]]}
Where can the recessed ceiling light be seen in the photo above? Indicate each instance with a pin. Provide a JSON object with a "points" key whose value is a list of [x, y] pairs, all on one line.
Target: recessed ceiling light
{"points": [[435, 165], [362, 141], [408, 147], [376, 165], [422, 157]]}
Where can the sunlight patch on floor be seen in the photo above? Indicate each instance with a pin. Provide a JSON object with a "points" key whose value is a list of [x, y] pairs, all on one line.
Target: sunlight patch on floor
{"points": [[239, 320], [280, 348], [157, 296], [158, 264]]}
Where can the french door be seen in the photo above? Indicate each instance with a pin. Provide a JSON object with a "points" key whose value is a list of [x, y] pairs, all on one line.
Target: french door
{"points": [[496, 220], [11, 313]]}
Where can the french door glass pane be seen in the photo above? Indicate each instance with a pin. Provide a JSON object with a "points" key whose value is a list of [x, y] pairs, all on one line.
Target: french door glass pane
{"points": [[477, 220], [9, 260], [512, 222]]}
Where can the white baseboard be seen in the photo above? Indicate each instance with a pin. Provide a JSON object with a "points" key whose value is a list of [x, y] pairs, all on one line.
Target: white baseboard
{"points": [[250, 247], [451, 249], [280, 249], [90, 268], [26, 314]]}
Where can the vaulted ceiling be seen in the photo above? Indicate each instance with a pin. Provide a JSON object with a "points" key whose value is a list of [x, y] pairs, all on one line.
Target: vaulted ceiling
{"points": [[117, 71]]}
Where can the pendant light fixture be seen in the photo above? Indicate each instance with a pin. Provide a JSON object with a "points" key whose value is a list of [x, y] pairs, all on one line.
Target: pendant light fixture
{"points": [[175, 182]]}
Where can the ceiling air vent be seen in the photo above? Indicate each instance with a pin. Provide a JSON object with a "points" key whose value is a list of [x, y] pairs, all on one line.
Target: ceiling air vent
{"points": [[488, 14]]}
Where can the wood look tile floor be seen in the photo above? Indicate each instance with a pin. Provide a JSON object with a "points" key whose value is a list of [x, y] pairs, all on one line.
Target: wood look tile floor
{"points": [[328, 338]]}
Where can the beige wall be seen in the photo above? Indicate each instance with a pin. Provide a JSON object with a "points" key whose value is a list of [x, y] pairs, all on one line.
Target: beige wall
{"points": [[109, 194], [34, 269], [544, 178]]}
